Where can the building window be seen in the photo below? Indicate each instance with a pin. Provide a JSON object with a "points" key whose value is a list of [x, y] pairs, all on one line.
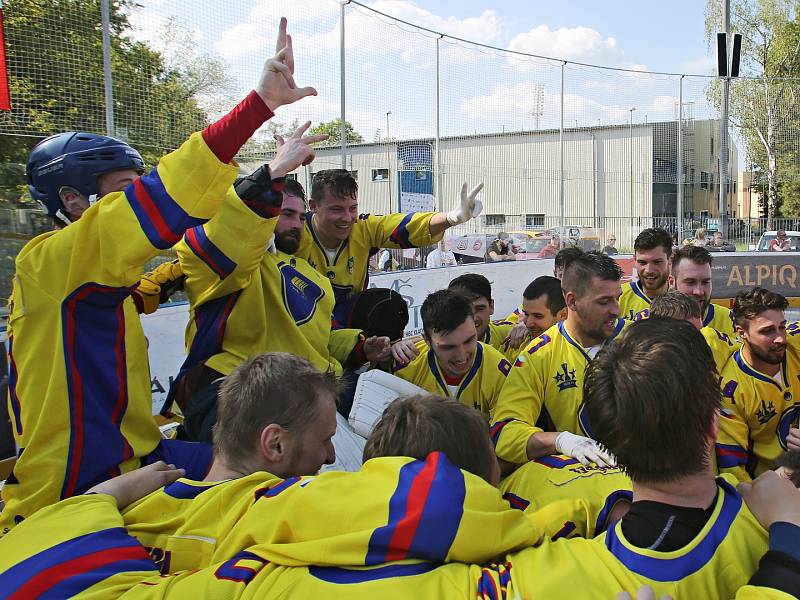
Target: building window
{"points": [[494, 220], [703, 180], [712, 145], [534, 220], [380, 174]]}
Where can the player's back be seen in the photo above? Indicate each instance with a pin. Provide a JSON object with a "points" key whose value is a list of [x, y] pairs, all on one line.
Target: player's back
{"points": [[565, 498]]}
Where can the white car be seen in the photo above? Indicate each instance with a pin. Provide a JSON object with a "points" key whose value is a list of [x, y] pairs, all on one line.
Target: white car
{"points": [[768, 236]]}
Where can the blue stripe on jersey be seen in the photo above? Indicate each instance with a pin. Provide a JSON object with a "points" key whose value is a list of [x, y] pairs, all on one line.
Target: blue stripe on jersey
{"points": [[425, 511], [210, 319], [188, 491], [13, 377], [556, 462], [193, 457], [97, 384], [400, 235], [216, 260], [491, 589], [497, 428], [345, 576], [611, 500], [639, 292], [563, 331], [272, 491], [583, 421], [731, 455], [787, 420], [162, 219], [564, 532], [515, 501], [473, 371], [675, 569], [709, 316], [73, 566], [748, 370]]}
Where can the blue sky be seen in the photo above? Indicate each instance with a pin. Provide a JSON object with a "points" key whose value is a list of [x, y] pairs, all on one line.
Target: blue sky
{"points": [[390, 68]]}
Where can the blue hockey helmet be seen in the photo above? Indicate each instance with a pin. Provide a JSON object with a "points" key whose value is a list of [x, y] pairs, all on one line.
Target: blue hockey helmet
{"points": [[75, 159]]}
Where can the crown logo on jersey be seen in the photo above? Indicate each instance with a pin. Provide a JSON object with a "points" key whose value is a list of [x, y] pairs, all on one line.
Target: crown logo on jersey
{"points": [[565, 379], [766, 412]]}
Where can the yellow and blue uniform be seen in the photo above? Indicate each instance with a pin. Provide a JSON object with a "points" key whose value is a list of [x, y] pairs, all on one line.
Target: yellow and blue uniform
{"points": [[348, 269], [246, 300], [79, 385], [720, 318], [479, 388], [496, 332], [633, 301], [565, 498], [546, 382], [757, 412], [715, 564], [721, 344]]}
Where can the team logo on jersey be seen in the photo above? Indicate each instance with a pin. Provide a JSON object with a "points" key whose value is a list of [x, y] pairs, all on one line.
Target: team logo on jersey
{"points": [[565, 379], [300, 294], [766, 412], [788, 419]]}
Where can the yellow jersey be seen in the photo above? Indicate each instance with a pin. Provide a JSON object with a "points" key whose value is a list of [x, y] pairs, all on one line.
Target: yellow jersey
{"points": [[720, 318], [633, 302], [79, 385], [347, 266], [721, 344], [757, 412], [246, 300], [543, 391], [565, 498], [479, 388]]}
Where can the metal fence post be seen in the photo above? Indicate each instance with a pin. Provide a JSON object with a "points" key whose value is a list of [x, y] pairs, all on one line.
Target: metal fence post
{"points": [[342, 125], [438, 116], [107, 80], [679, 178], [561, 161]]}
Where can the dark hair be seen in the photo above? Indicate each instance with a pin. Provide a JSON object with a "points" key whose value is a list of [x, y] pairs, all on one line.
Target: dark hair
{"points": [[579, 273], [565, 256], [695, 254], [748, 305], [546, 285], [472, 286], [652, 238], [339, 182], [275, 387], [652, 398], [443, 311], [418, 425], [790, 460], [676, 305], [293, 188]]}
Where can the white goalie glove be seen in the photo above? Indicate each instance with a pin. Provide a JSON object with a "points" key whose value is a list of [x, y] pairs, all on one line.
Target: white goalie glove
{"points": [[585, 449], [469, 207]]}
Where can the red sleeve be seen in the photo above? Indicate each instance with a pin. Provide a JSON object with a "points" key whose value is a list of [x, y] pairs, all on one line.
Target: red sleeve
{"points": [[227, 135]]}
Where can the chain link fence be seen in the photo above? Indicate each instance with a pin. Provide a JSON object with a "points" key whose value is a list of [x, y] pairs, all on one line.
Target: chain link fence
{"points": [[557, 143]]}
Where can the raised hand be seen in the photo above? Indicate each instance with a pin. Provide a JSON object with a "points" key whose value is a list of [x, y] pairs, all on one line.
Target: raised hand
{"points": [[294, 151], [469, 206], [276, 85]]}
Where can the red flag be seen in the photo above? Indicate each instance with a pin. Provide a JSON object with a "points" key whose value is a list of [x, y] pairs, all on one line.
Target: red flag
{"points": [[5, 96]]}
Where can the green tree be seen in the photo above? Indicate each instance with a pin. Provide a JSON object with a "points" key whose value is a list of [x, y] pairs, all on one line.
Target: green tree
{"points": [[763, 108], [334, 130], [55, 68]]}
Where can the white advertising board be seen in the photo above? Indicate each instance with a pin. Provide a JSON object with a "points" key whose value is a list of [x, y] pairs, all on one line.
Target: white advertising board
{"points": [[413, 202]]}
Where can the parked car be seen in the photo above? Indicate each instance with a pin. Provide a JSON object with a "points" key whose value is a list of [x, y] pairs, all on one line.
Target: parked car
{"points": [[768, 236]]}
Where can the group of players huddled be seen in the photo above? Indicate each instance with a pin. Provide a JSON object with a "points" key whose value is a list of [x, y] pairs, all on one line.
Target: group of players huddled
{"points": [[603, 439]]}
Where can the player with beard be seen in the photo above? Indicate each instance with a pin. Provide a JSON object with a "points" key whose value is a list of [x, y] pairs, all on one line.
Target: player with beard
{"points": [[539, 411], [651, 253], [691, 274], [759, 388], [248, 298]]}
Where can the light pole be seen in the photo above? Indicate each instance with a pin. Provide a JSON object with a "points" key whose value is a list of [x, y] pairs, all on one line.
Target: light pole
{"points": [[388, 112], [630, 160]]}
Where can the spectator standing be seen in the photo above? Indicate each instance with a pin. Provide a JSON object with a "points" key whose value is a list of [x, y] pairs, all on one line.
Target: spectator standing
{"points": [[551, 249], [699, 238], [440, 257], [780, 243], [611, 247], [385, 261], [720, 245]]}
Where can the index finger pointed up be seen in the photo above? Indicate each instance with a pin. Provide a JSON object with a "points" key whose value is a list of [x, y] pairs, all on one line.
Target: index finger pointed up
{"points": [[281, 43]]}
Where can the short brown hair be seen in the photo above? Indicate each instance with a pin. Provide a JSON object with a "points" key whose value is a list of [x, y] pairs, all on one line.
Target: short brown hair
{"points": [[275, 387], [695, 254], [652, 397], [418, 425], [676, 305], [748, 305], [584, 267], [339, 182], [790, 460]]}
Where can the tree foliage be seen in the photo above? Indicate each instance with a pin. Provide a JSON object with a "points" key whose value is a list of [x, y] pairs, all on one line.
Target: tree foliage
{"points": [[55, 69], [334, 130]]}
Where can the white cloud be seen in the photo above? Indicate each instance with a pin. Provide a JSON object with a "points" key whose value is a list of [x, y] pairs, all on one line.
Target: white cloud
{"points": [[705, 65], [578, 44]]}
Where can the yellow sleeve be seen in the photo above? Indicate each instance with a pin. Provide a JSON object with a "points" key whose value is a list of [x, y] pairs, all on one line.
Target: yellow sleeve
{"points": [[399, 230], [754, 592], [519, 406], [733, 441], [342, 342], [499, 368], [113, 239], [219, 258]]}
